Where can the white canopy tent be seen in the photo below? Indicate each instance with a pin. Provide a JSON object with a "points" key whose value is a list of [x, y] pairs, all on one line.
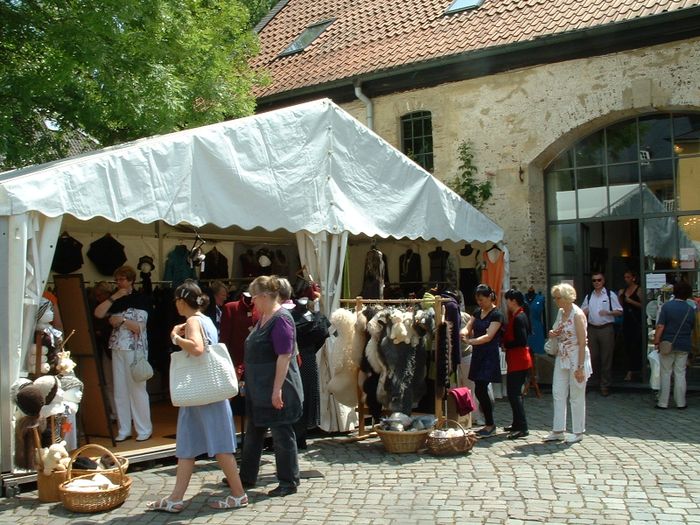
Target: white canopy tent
{"points": [[310, 169]]}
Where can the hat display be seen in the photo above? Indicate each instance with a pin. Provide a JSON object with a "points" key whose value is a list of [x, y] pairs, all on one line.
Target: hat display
{"points": [[467, 250], [264, 261], [145, 264], [30, 399]]}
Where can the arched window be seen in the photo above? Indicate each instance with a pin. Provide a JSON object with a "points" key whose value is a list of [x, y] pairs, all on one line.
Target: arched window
{"points": [[417, 138], [627, 197]]}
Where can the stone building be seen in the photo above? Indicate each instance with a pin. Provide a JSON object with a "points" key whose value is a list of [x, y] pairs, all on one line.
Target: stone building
{"points": [[584, 114]]}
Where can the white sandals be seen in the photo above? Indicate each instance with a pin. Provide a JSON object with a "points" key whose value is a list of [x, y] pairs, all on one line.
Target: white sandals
{"points": [[231, 502], [166, 505]]}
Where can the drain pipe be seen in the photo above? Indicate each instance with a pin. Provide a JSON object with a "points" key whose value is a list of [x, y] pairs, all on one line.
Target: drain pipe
{"points": [[368, 104]]}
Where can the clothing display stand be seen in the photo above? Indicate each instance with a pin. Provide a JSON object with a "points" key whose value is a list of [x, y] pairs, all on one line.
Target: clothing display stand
{"points": [[440, 393]]}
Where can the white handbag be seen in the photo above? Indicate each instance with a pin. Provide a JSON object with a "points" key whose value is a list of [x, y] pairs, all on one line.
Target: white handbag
{"points": [[203, 379], [141, 369], [551, 346]]}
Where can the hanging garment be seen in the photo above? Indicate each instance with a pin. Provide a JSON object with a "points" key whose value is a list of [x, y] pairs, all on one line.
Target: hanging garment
{"points": [[249, 264], [68, 257], [494, 268], [177, 266], [280, 265], [373, 282], [453, 320], [215, 265], [107, 254], [237, 319], [410, 272], [438, 265]]}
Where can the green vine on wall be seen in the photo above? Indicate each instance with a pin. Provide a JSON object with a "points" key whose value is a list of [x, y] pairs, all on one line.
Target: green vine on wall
{"points": [[464, 183]]}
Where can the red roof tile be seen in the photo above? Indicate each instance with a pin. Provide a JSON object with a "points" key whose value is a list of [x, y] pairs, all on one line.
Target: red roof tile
{"points": [[368, 36]]}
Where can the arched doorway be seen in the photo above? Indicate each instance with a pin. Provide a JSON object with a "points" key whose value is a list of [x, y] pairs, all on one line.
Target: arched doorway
{"points": [[627, 197]]}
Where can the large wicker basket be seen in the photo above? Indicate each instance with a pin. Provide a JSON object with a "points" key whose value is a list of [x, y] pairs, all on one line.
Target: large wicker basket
{"points": [[124, 462], [450, 445], [98, 501], [402, 442]]}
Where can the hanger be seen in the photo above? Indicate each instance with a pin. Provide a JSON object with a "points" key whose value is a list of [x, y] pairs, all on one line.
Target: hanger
{"points": [[65, 233], [494, 247]]}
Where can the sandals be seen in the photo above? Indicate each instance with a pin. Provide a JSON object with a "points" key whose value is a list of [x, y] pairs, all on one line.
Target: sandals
{"points": [[166, 505], [231, 502]]}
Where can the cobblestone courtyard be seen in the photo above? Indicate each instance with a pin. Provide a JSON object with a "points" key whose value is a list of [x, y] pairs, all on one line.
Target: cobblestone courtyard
{"points": [[635, 465]]}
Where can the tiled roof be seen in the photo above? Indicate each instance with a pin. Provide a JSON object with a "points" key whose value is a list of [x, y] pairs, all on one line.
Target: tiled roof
{"points": [[371, 36]]}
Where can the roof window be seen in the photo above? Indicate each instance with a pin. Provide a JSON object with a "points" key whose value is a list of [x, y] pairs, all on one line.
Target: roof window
{"points": [[307, 36], [463, 5]]}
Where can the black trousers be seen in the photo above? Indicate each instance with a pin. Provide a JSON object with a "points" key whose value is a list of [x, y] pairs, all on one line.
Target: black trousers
{"points": [[481, 390], [514, 383]]}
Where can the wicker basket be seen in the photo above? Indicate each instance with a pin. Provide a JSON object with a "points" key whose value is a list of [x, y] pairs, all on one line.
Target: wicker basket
{"points": [[124, 462], [47, 486], [97, 501], [402, 442], [450, 445]]}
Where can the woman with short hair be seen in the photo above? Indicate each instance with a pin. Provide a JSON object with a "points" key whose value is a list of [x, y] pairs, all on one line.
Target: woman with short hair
{"points": [[572, 366], [127, 313]]}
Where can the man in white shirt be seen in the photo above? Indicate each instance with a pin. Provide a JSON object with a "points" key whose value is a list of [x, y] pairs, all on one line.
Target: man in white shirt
{"points": [[601, 307]]}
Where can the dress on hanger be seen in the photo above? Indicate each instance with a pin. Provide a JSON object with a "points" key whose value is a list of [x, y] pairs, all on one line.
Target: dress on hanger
{"points": [[536, 304], [494, 269], [410, 272], [215, 265]]}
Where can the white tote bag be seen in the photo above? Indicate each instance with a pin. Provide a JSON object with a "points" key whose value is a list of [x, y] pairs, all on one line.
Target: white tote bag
{"points": [[203, 379]]}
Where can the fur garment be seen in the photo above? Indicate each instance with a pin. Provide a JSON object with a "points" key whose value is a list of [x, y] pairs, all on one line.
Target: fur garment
{"points": [[343, 363]]}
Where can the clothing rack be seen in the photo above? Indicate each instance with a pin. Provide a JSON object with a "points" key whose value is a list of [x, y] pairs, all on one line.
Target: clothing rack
{"points": [[361, 409]]}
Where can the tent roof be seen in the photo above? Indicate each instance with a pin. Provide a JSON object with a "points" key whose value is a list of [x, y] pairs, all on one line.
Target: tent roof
{"points": [[309, 167]]}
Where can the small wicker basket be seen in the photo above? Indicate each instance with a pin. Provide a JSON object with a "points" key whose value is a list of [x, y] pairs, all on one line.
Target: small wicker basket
{"points": [[450, 445], [97, 501], [402, 442]]}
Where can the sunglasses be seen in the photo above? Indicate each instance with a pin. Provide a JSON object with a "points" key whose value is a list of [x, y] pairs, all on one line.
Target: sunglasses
{"points": [[597, 280]]}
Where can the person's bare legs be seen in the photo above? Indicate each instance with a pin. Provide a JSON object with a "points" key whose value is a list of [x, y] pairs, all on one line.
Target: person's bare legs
{"points": [[227, 462], [183, 474]]}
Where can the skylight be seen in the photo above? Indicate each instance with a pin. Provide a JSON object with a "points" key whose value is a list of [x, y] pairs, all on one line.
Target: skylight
{"points": [[309, 34], [462, 5]]}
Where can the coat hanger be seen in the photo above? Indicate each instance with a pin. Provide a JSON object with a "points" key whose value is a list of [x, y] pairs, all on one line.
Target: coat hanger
{"points": [[494, 247]]}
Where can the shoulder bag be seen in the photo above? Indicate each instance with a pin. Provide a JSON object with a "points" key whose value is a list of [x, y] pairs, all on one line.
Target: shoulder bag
{"points": [[551, 345], [666, 347], [203, 379]]}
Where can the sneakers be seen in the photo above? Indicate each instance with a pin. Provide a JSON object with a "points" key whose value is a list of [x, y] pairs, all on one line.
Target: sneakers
{"points": [[573, 438], [554, 436]]}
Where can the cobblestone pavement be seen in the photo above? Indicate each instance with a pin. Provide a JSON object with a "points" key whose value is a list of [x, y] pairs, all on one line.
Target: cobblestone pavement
{"points": [[635, 465]]}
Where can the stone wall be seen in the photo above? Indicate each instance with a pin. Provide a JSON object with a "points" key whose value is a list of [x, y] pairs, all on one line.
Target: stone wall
{"points": [[520, 120]]}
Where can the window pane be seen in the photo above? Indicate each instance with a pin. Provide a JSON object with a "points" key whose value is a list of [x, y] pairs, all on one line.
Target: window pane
{"points": [[688, 183], [655, 137], [622, 142], [561, 196], [589, 152], [565, 160], [686, 133], [563, 239], [660, 247], [689, 226], [657, 186], [417, 139], [592, 192], [624, 189]]}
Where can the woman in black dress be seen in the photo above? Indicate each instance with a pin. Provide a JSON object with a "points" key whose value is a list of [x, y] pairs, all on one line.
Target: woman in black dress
{"points": [[632, 323]]}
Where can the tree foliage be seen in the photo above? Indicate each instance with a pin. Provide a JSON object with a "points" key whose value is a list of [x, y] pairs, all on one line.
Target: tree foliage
{"points": [[465, 183], [258, 9], [118, 70]]}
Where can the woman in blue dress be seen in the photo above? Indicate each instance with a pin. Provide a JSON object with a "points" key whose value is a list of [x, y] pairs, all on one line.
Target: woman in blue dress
{"points": [[485, 330], [200, 429]]}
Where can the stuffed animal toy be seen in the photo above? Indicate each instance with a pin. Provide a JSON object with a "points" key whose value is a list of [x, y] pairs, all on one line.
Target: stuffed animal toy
{"points": [[399, 333], [64, 364], [343, 364], [55, 458]]}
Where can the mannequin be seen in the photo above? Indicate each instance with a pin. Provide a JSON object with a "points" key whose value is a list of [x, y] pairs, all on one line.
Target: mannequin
{"points": [[438, 265], [410, 272], [536, 305], [373, 282]]}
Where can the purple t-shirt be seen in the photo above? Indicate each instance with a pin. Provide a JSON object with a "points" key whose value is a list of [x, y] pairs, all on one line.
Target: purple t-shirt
{"points": [[282, 335]]}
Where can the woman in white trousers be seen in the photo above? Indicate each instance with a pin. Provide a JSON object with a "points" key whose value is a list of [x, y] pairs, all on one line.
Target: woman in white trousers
{"points": [[572, 366]]}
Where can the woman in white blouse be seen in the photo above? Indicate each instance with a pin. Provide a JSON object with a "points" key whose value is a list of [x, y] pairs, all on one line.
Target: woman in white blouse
{"points": [[572, 366]]}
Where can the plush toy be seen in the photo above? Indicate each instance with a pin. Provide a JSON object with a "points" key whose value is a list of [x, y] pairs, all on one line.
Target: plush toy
{"points": [[399, 333], [55, 458], [64, 364]]}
